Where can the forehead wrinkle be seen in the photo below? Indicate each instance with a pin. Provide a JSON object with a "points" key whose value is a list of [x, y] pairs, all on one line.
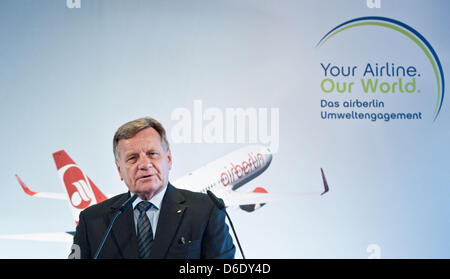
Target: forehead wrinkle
{"points": [[138, 147], [146, 140]]}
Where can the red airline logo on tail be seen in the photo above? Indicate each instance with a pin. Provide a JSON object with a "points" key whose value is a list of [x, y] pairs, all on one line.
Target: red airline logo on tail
{"points": [[81, 191], [80, 194]]}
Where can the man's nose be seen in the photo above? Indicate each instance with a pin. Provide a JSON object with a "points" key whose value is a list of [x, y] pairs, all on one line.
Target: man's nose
{"points": [[144, 163]]}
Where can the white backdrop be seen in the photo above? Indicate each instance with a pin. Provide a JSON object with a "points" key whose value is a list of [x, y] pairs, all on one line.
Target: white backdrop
{"points": [[71, 76]]}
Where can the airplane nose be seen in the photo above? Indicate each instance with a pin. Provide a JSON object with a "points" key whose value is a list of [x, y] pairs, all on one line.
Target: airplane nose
{"points": [[268, 158], [267, 155]]}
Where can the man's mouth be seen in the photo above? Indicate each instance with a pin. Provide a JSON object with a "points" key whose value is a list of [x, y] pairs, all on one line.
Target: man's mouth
{"points": [[143, 177]]}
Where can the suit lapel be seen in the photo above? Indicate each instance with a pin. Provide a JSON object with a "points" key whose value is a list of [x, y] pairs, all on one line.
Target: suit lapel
{"points": [[172, 211], [123, 231]]}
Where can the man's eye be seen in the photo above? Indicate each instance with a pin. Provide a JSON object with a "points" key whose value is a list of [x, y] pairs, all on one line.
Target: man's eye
{"points": [[131, 159]]}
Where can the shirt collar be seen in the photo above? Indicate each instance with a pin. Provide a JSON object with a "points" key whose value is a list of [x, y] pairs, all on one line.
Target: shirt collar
{"points": [[156, 200]]}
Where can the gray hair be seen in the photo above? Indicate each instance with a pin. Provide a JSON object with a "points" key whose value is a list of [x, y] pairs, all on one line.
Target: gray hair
{"points": [[130, 129]]}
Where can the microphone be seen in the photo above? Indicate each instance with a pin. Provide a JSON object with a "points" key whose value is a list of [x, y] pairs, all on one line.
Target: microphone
{"points": [[220, 204], [121, 210], [127, 203], [216, 201]]}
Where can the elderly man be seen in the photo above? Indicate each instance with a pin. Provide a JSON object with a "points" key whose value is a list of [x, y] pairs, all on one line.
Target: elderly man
{"points": [[163, 222]]}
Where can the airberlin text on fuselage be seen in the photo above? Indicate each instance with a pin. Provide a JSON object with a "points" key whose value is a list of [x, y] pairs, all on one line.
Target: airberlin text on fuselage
{"points": [[239, 170]]}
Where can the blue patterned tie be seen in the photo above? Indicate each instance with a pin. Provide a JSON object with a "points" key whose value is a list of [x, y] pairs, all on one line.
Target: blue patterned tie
{"points": [[144, 230]]}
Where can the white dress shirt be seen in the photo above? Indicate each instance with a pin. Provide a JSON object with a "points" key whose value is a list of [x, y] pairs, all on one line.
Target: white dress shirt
{"points": [[153, 212]]}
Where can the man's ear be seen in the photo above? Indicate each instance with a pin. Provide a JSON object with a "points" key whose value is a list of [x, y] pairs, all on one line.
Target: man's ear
{"points": [[169, 158], [118, 169]]}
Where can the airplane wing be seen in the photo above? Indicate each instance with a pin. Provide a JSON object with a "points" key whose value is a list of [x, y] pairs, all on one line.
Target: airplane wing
{"points": [[59, 196], [49, 237], [325, 183], [233, 198], [260, 196]]}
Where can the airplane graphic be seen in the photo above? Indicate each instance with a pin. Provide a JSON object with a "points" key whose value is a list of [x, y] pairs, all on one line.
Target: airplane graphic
{"points": [[222, 177]]}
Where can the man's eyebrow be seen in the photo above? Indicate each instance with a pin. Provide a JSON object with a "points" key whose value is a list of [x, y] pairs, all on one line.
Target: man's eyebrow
{"points": [[151, 149]]}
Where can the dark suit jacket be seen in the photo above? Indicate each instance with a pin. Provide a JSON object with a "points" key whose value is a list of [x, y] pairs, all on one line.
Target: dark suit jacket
{"points": [[200, 223]]}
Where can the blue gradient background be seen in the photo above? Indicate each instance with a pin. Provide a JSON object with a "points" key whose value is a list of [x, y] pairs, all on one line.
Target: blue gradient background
{"points": [[70, 77]]}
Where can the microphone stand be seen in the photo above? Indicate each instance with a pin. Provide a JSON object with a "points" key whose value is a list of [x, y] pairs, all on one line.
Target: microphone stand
{"points": [[221, 206], [121, 210]]}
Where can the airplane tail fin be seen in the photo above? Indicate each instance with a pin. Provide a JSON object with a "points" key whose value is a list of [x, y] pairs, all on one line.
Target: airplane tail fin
{"points": [[81, 191]]}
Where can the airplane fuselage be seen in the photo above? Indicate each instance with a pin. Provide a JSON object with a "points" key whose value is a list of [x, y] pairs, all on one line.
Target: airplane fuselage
{"points": [[228, 172]]}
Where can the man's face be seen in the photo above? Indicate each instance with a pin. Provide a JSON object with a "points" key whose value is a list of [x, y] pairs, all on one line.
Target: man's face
{"points": [[143, 163]]}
